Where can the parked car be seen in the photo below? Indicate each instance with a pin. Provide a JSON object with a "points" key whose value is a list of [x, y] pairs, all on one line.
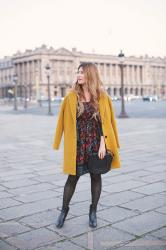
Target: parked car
{"points": [[153, 98], [114, 98], [43, 98], [128, 97], [57, 99]]}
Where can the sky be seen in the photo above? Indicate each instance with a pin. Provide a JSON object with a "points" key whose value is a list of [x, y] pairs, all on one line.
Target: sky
{"points": [[138, 27]]}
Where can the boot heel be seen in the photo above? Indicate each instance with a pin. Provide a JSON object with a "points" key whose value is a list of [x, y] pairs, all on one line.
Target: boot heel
{"points": [[61, 219], [92, 217]]}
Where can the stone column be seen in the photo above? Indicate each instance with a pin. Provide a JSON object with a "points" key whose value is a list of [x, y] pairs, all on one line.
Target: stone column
{"points": [[28, 73], [58, 65], [19, 68], [23, 76], [33, 70], [24, 79], [33, 79], [65, 72], [135, 71], [25, 72], [37, 79], [138, 74], [130, 78], [127, 75], [116, 74], [40, 71], [20, 83], [27, 79], [30, 79], [133, 75], [105, 74], [111, 80], [143, 75], [114, 77]]}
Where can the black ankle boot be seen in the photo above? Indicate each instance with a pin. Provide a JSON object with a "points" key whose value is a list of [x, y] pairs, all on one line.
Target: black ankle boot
{"points": [[62, 216], [92, 217]]}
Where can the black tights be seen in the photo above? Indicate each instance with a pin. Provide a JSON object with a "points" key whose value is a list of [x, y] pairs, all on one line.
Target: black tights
{"points": [[70, 185]]}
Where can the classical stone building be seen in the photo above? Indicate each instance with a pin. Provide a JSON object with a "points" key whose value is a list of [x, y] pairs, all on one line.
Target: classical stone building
{"points": [[6, 76], [142, 75]]}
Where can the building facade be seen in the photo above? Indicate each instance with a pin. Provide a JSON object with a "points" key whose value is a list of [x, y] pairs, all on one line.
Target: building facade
{"points": [[6, 76], [142, 75]]}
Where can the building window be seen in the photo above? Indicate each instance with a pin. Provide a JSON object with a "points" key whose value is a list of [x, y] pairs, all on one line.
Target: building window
{"points": [[136, 91], [131, 90], [63, 91], [115, 91], [109, 91]]}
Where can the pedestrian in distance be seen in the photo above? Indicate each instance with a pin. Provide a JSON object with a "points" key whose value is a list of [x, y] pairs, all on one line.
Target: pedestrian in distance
{"points": [[87, 119]]}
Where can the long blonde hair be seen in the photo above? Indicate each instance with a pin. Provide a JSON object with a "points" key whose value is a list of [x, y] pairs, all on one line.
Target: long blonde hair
{"points": [[94, 85]]}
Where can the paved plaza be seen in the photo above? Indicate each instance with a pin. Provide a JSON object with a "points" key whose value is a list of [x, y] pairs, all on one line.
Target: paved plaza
{"points": [[132, 207]]}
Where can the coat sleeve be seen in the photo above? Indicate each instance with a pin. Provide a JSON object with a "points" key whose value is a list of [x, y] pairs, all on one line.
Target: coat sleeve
{"points": [[59, 127], [113, 121]]}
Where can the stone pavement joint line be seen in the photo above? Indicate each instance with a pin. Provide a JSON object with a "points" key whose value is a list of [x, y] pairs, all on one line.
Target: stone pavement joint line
{"points": [[132, 207]]}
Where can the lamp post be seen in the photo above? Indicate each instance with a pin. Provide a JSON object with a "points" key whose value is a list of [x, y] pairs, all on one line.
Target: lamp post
{"points": [[48, 86], [123, 113], [15, 78]]}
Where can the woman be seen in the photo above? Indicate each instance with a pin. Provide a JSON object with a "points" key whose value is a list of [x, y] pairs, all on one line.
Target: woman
{"points": [[87, 119]]}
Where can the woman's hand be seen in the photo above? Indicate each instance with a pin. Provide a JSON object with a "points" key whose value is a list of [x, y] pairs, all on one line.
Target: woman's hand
{"points": [[102, 148]]}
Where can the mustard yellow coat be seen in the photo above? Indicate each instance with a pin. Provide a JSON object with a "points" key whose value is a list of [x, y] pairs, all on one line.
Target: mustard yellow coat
{"points": [[67, 123]]}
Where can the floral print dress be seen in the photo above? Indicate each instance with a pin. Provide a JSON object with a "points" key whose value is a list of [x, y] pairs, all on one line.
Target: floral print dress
{"points": [[89, 131]]}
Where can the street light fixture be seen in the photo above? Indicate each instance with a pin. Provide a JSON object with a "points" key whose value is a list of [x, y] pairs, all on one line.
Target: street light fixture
{"points": [[48, 68], [123, 113], [15, 78]]}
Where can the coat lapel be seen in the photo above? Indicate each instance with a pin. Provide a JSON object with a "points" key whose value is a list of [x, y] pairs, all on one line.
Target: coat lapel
{"points": [[73, 105], [102, 107]]}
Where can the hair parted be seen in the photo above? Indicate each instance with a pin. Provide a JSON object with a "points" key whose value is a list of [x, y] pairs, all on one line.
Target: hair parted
{"points": [[94, 86]]}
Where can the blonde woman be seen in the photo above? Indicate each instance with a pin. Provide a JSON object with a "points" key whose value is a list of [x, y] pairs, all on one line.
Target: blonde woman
{"points": [[87, 119]]}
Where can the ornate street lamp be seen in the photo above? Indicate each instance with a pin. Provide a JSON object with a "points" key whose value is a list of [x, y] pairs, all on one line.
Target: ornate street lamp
{"points": [[48, 68], [15, 79], [123, 113]]}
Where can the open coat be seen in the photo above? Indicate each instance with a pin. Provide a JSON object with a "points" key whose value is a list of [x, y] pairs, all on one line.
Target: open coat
{"points": [[67, 123]]}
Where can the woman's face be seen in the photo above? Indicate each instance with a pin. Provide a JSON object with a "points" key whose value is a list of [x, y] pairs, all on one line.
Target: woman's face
{"points": [[80, 76]]}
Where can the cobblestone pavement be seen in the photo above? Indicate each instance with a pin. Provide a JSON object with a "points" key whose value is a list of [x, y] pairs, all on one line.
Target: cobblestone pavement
{"points": [[132, 207]]}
